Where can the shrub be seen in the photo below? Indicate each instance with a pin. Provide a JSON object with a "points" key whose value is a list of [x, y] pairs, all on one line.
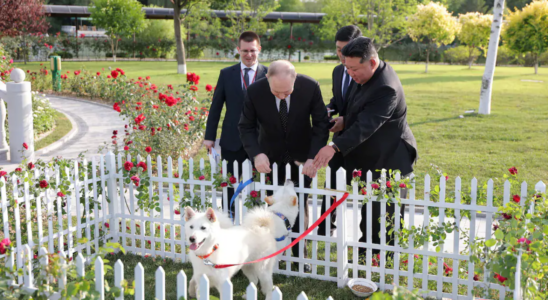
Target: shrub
{"points": [[331, 57], [459, 55], [237, 56], [306, 57], [43, 114]]}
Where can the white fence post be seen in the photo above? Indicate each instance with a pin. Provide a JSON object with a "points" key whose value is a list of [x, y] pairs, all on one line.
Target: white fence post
{"points": [[113, 204], [227, 290], [342, 247], [17, 95], [100, 278], [4, 148], [160, 277], [203, 290], [251, 292], [139, 281], [119, 277], [276, 294], [181, 285]]}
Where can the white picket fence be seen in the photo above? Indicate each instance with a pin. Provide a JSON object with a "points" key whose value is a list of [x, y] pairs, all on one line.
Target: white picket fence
{"points": [[136, 230]]}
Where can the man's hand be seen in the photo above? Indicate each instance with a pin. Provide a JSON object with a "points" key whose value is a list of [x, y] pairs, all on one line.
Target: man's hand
{"points": [[209, 144], [339, 124], [323, 157], [262, 163], [329, 111], [309, 169]]}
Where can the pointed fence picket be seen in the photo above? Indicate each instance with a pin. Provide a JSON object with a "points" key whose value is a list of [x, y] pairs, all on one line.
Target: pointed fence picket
{"points": [[100, 206]]}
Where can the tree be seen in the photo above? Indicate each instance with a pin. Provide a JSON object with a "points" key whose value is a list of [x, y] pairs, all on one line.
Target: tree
{"points": [[474, 32], [178, 6], [19, 18], [250, 17], [120, 18], [290, 5], [527, 30], [432, 24], [383, 21]]}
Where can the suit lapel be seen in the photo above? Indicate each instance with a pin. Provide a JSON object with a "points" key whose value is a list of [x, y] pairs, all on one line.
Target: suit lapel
{"points": [[237, 81], [295, 104], [271, 107], [338, 82], [261, 72]]}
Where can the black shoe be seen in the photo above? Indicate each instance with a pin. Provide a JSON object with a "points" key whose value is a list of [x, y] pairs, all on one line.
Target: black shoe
{"points": [[307, 267]]}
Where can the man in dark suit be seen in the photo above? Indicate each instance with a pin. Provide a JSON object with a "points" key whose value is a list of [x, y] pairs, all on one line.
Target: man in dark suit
{"points": [[282, 106], [231, 88], [376, 134], [342, 84]]}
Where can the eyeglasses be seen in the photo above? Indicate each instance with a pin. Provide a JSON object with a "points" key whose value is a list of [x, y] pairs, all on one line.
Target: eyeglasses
{"points": [[250, 51]]}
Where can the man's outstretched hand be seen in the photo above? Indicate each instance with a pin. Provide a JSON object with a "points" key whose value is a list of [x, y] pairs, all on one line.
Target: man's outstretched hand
{"points": [[309, 169], [209, 144], [262, 163], [323, 157]]}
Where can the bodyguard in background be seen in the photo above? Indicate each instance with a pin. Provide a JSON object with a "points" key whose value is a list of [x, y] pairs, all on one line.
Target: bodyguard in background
{"points": [[231, 89], [342, 83]]}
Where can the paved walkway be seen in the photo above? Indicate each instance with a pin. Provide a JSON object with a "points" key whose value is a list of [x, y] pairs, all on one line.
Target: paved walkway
{"points": [[93, 122]]}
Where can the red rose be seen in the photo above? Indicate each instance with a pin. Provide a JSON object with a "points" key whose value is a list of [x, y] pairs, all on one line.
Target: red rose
{"points": [[107, 225], [506, 216], [202, 177], [148, 78], [143, 165], [140, 118], [148, 149], [191, 118], [224, 184], [356, 174], [4, 245], [232, 180], [60, 194], [116, 107], [254, 194], [500, 278], [114, 74], [3, 173], [495, 227], [363, 191], [388, 184], [126, 148], [177, 212], [135, 180], [170, 101], [155, 106], [447, 268], [18, 170], [108, 76], [403, 185], [288, 46], [375, 186], [513, 171], [516, 198], [128, 166], [476, 277], [25, 146], [209, 88], [193, 88], [176, 175], [524, 240], [30, 166], [44, 184], [98, 73]]}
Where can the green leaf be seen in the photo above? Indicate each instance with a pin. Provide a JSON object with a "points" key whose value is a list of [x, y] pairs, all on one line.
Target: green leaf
{"points": [[157, 209], [499, 234], [490, 243]]}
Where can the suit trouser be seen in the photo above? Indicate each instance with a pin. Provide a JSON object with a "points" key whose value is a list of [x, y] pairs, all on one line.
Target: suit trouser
{"points": [[334, 164], [231, 156], [376, 222], [295, 179]]}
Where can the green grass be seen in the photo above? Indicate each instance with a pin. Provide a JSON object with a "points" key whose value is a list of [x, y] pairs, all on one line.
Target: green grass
{"points": [[474, 146], [62, 127]]}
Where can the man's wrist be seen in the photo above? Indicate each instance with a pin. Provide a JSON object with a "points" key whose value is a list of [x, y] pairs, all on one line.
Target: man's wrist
{"points": [[334, 147]]}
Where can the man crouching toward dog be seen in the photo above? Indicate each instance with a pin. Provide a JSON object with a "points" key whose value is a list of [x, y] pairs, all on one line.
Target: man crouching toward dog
{"points": [[275, 127]]}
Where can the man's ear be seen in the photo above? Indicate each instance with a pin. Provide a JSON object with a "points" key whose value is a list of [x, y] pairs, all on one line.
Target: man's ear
{"points": [[210, 214], [269, 200], [189, 213], [294, 201]]}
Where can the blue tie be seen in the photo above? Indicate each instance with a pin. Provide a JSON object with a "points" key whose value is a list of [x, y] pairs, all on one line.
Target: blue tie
{"points": [[346, 83]]}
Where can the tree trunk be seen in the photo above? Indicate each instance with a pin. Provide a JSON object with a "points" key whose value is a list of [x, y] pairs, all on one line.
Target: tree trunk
{"points": [[491, 61], [536, 64], [427, 57], [470, 63], [470, 58], [113, 51], [24, 50], [181, 60]]}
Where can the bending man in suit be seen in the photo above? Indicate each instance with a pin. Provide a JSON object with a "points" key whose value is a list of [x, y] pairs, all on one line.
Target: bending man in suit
{"points": [[231, 88], [282, 106], [342, 84], [376, 134]]}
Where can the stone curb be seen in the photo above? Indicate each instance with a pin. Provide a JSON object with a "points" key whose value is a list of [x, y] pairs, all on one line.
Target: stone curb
{"points": [[59, 143], [79, 100]]}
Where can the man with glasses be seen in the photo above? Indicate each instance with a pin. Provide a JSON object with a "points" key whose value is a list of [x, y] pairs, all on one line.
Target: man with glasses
{"points": [[231, 89]]}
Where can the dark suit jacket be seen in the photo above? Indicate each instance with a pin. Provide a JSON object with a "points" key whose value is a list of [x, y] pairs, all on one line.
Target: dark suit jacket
{"points": [[337, 103], [303, 140], [376, 132], [229, 90]]}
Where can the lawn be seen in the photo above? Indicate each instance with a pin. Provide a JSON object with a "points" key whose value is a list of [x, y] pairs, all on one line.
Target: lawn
{"points": [[515, 134], [62, 127]]}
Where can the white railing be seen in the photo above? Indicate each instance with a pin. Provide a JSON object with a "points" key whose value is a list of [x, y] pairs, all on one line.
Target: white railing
{"points": [[104, 197]]}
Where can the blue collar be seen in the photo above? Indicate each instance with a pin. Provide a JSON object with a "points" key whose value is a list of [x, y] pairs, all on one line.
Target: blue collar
{"points": [[287, 225]]}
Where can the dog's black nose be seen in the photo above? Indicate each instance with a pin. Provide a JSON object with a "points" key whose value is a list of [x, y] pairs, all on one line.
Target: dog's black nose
{"points": [[192, 239]]}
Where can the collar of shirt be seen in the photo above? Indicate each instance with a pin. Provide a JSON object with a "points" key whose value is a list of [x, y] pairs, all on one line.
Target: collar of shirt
{"points": [[287, 99], [253, 67]]}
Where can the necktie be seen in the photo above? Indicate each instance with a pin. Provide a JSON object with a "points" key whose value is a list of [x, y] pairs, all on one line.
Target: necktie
{"points": [[246, 78], [283, 119], [346, 83]]}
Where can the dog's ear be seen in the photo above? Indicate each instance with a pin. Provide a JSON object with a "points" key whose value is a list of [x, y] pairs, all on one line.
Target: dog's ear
{"points": [[189, 213], [210, 214], [294, 201], [269, 200]]}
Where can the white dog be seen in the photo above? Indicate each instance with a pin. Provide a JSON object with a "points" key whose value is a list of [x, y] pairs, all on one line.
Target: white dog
{"points": [[223, 244]]}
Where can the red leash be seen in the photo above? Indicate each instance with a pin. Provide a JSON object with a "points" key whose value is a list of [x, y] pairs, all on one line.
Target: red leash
{"points": [[325, 214]]}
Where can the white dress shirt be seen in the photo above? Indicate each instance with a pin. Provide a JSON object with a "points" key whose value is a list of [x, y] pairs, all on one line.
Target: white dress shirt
{"points": [[278, 100], [251, 73], [344, 80]]}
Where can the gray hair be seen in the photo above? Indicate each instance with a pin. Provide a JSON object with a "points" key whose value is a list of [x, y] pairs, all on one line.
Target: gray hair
{"points": [[281, 68]]}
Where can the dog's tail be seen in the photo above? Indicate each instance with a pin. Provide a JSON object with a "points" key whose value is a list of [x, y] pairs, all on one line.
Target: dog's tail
{"points": [[259, 219]]}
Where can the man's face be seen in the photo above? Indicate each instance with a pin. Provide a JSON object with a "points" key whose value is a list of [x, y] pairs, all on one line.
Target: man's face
{"points": [[281, 86], [339, 45], [249, 51], [361, 73]]}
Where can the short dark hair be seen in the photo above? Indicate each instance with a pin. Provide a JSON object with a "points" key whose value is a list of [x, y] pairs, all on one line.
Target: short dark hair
{"points": [[348, 33], [360, 47], [249, 36]]}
